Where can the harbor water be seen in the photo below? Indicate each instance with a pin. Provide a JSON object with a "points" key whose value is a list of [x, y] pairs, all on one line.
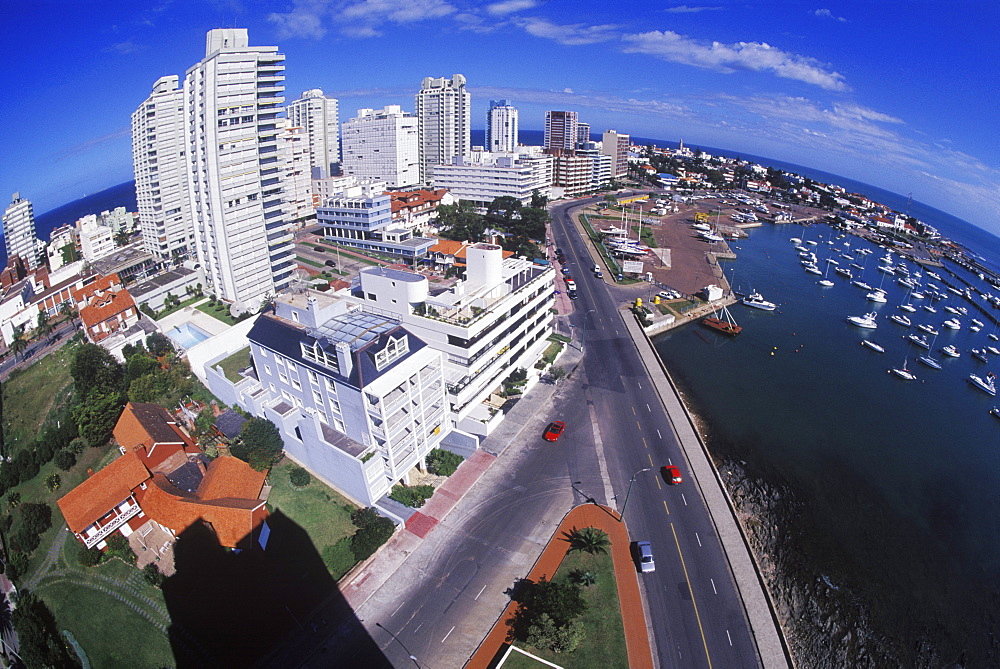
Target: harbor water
{"points": [[889, 506]]}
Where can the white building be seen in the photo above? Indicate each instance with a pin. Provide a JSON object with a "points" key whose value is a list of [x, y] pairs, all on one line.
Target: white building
{"points": [[443, 115], [317, 113], [481, 176], [160, 172], [232, 101], [19, 231], [382, 144], [493, 322], [501, 127], [297, 181], [615, 144], [578, 172], [96, 239]]}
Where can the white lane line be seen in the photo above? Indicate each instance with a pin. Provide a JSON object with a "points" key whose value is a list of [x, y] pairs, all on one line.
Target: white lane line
{"points": [[453, 629], [698, 538], [647, 408], [670, 461], [658, 433], [418, 628], [713, 586], [397, 609], [640, 384], [729, 637], [480, 592], [685, 499]]}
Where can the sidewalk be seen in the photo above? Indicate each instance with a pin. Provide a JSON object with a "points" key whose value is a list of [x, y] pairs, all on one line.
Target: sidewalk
{"points": [[630, 601]]}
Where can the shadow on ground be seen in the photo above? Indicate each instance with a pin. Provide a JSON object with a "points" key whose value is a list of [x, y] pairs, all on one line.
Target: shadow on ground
{"points": [[241, 608]]}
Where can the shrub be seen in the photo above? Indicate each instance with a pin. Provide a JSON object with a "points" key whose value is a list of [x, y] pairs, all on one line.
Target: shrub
{"points": [[118, 548], [23, 540], [373, 531], [77, 446], [52, 482], [36, 517], [544, 633], [299, 477], [412, 496], [17, 565], [65, 459], [153, 575], [339, 558], [89, 557], [442, 462], [589, 540]]}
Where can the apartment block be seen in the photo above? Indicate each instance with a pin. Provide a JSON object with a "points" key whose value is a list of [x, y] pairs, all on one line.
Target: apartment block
{"points": [[561, 130], [317, 114], [297, 178], [481, 176], [19, 231], [444, 125], [501, 127], [382, 144], [615, 144], [365, 223]]}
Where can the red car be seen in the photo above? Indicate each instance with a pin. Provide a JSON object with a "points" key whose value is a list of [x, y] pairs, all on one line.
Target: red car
{"points": [[672, 475], [554, 430]]}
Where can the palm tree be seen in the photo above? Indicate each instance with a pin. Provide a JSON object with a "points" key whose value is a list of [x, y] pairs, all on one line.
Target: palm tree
{"points": [[589, 540], [44, 326], [68, 310], [18, 344]]}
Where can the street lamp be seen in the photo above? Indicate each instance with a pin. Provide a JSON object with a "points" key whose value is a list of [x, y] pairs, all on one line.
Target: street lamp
{"points": [[621, 514], [412, 656]]}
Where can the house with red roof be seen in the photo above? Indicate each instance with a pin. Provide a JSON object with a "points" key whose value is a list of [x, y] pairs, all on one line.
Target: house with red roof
{"points": [[416, 209], [106, 308]]}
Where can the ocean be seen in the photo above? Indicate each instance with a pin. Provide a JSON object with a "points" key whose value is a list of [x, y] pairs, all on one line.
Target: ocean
{"points": [[889, 487]]}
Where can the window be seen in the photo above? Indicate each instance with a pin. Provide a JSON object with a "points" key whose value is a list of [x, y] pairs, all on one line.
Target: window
{"points": [[393, 350], [313, 377], [317, 397]]}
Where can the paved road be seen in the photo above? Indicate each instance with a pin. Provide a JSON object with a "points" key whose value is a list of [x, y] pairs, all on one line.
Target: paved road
{"points": [[694, 609], [36, 349]]}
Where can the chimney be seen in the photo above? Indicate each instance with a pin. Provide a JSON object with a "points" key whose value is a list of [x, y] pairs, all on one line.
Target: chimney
{"points": [[90, 472]]}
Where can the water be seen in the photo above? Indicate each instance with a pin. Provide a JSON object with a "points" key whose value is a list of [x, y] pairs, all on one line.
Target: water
{"points": [[897, 480], [187, 335]]}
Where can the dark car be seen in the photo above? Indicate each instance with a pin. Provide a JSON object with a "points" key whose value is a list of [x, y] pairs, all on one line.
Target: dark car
{"points": [[554, 430], [672, 475], [571, 294], [330, 263], [319, 249]]}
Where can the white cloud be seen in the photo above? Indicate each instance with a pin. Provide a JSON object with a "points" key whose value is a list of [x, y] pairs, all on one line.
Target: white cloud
{"points": [[568, 90], [728, 58], [305, 20], [827, 14], [685, 9], [569, 35], [510, 6], [358, 19]]}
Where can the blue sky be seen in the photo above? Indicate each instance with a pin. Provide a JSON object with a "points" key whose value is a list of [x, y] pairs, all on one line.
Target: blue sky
{"points": [[901, 95]]}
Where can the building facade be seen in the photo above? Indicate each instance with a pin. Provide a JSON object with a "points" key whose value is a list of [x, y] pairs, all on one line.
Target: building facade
{"points": [[501, 127], [382, 144], [317, 114], [297, 179], [96, 239], [160, 172], [615, 144], [19, 231], [560, 130], [481, 176], [232, 99], [443, 122], [365, 223]]}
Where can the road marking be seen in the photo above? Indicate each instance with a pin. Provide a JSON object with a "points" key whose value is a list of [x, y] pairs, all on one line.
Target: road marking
{"points": [[640, 384], [397, 609], [691, 592], [480, 592], [658, 433], [729, 637], [665, 507], [713, 586], [699, 540], [659, 486], [638, 426], [644, 442], [685, 499], [670, 461], [453, 629], [633, 412], [647, 408], [650, 459]]}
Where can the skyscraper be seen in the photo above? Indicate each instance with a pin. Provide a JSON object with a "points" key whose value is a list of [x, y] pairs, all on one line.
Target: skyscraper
{"points": [[317, 113], [382, 144], [160, 172], [19, 231], [232, 99], [443, 116], [560, 130], [615, 144], [582, 132], [501, 127]]}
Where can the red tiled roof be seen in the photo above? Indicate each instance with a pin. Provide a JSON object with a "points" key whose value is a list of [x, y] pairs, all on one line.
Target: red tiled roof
{"points": [[151, 431], [107, 305], [415, 199], [102, 284], [231, 477], [91, 500], [450, 247]]}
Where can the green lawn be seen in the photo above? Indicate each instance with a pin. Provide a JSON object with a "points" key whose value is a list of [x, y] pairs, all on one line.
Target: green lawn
{"points": [[234, 363], [306, 261], [518, 660], [322, 512], [30, 394], [218, 310], [604, 645], [166, 312]]}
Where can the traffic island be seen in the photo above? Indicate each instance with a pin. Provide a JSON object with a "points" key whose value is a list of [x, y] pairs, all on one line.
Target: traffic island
{"points": [[493, 651]]}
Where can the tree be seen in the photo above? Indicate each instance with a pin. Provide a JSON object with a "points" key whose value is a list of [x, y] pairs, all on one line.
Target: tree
{"points": [[299, 477], [556, 372], [562, 602], [260, 444], [14, 499], [544, 633], [153, 575], [589, 540], [18, 342], [460, 222], [538, 201], [203, 421], [38, 634], [94, 369], [148, 387], [118, 548], [65, 459], [53, 481], [373, 531], [442, 462], [96, 418], [89, 557], [139, 365], [158, 344]]}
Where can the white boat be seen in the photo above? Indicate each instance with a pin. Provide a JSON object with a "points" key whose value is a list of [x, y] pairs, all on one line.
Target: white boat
{"points": [[951, 351], [908, 307], [843, 271], [934, 276], [867, 321], [919, 341], [979, 354], [978, 323], [757, 301], [993, 337], [952, 310], [902, 320], [952, 324], [795, 240], [887, 269], [877, 295], [993, 349], [826, 283], [987, 385], [861, 284], [832, 261], [929, 361], [872, 345], [975, 328], [709, 237], [917, 295], [929, 308], [812, 269], [904, 373], [927, 328]]}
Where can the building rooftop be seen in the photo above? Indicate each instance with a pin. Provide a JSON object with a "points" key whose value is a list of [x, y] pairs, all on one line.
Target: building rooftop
{"points": [[356, 329], [91, 500]]}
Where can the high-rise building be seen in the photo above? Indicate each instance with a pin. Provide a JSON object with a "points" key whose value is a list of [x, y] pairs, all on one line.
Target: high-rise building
{"points": [[19, 231], [443, 115], [297, 181], [615, 144], [160, 172], [561, 130], [501, 127], [232, 99], [317, 113], [582, 132], [382, 144]]}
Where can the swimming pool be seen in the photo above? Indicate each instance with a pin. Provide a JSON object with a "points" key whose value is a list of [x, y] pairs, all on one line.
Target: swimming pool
{"points": [[187, 335]]}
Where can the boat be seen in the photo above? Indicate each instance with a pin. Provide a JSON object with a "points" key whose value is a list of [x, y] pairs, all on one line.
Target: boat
{"points": [[917, 295], [952, 310], [993, 349], [795, 240], [952, 324], [843, 271], [860, 268], [908, 307], [877, 295], [919, 341], [887, 269], [978, 323], [757, 301], [995, 411], [975, 328], [993, 337], [902, 320], [934, 276], [861, 284], [979, 354], [722, 321], [812, 269], [927, 328], [929, 309], [867, 321], [987, 385], [904, 373], [929, 361], [872, 345], [951, 351]]}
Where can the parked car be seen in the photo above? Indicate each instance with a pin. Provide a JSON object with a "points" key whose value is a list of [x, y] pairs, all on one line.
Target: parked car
{"points": [[599, 274], [644, 552], [572, 294], [330, 263], [554, 430], [672, 475]]}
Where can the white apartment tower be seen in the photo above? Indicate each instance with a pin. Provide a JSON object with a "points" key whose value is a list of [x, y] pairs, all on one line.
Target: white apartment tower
{"points": [[232, 99], [317, 113], [297, 180], [382, 144], [443, 115], [501, 127], [19, 231], [160, 172], [615, 144]]}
